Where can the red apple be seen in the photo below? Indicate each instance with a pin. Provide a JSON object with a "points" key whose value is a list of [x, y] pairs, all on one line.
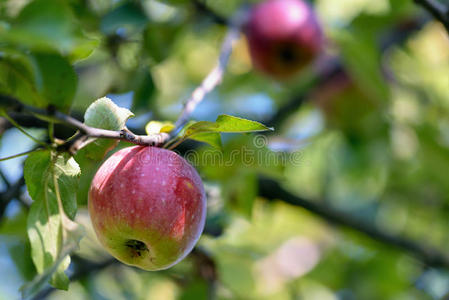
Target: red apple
{"points": [[283, 36], [147, 206]]}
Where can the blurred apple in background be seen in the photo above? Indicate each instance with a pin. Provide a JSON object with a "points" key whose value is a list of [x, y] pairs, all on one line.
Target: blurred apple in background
{"points": [[284, 36]]}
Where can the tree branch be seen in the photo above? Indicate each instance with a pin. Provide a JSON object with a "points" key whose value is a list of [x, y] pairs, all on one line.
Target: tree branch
{"points": [[271, 189], [216, 75], [438, 10], [203, 8], [213, 79]]}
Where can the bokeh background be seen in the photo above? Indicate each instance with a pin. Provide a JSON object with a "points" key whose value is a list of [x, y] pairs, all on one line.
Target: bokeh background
{"points": [[362, 133]]}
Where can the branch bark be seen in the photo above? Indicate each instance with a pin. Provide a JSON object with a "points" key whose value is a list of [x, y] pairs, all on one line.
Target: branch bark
{"points": [[216, 75]]}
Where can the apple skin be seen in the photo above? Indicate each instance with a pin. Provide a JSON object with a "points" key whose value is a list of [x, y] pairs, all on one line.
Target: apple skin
{"points": [[147, 206], [283, 36]]}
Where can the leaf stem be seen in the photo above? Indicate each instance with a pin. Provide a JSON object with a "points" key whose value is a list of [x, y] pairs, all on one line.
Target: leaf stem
{"points": [[176, 143]]}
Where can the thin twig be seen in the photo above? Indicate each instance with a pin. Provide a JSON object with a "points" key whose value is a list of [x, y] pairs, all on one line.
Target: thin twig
{"points": [[20, 154], [438, 10], [203, 8], [216, 75], [91, 132], [13, 122]]}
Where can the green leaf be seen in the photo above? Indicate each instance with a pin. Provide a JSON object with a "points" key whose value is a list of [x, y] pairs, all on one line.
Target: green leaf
{"points": [[57, 80], [144, 90], [209, 132], [51, 180], [158, 40], [105, 114], [83, 49], [241, 192], [17, 77], [38, 80], [211, 138], [363, 60], [226, 123], [48, 26], [20, 254]]}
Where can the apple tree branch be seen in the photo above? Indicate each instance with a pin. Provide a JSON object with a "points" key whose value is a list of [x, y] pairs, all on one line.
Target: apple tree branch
{"points": [[271, 189], [438, 10]]}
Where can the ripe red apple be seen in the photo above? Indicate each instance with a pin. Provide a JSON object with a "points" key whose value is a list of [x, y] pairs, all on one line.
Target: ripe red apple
{"points": [[283, 36], [147, 206]]}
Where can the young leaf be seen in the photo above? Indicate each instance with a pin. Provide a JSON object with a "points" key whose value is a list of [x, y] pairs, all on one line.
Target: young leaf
{"points": [[154, 127], [226, 123], [105, 114], [209, 132], [51, 179]]}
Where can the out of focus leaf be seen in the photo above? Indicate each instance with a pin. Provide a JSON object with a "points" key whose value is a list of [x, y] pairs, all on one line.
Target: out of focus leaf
{"points": [[362, 57], [197, 290], [51, 179], [38, 80], [144, 90], [20, 254], [158, 40], [17, 78], [127, 15], [83, 49], [240, 193], [57, 80], [48, 25]]}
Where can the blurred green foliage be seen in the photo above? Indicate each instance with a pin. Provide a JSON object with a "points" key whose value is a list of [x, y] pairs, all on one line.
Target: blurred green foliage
{"points": [[371, 141]]}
